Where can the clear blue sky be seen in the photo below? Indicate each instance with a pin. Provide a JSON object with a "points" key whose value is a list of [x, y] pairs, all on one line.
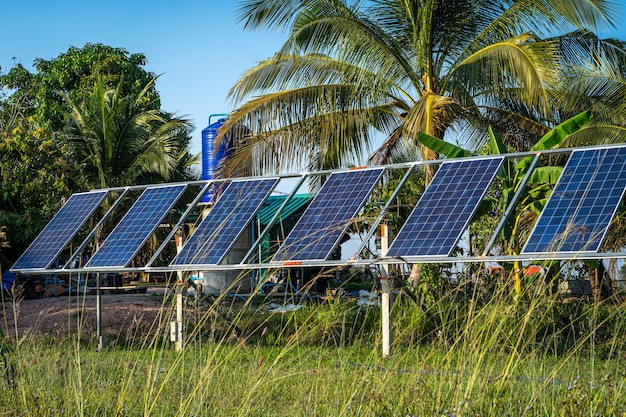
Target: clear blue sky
{"points": [[196, 45]]}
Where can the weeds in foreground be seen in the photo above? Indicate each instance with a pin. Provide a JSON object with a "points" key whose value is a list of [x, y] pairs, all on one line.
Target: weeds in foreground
{"points": [[487, 356]]}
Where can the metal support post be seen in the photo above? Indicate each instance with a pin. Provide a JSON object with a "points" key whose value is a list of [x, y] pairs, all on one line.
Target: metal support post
{"points": [[386, 284], [512, 203], [180, 310], [180, 315], [101, 339]]}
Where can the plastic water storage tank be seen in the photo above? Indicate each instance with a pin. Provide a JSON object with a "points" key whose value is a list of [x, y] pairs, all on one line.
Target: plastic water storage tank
{"points": [[212, 155]]}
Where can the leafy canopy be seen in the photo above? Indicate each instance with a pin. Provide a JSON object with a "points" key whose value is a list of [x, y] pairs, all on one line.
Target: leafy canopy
{"points": [[350, 71]]}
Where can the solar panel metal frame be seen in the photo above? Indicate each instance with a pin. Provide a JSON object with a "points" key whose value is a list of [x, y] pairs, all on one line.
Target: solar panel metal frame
{"points": [[567, 179], [337, 230], [57, 245], [217, 256], [438, 185], [190, 208], [103, 256], [438, 259]]}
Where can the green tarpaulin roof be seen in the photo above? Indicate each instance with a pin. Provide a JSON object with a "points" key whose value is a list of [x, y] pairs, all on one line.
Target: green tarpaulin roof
{"points": [[273, 203]]}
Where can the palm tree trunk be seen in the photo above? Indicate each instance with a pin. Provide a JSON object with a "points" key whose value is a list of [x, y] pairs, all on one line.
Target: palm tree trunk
{"points": [[596, 278], [416, 275]]}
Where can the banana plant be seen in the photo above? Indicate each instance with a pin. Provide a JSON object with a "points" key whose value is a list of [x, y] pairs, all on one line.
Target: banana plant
{"points": [[537, 189]]}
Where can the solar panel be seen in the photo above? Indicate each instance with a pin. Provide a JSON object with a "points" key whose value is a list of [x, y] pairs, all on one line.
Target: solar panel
{"points": [[445, 209], [583, 203], [138, 224], [225, 222], [325, 220], [61, 229]]}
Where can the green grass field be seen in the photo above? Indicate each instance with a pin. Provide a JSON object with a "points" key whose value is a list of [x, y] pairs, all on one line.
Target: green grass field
{"points": [[499, 357]]}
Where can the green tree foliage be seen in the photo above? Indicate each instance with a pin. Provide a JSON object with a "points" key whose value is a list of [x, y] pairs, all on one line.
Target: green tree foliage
{"points": [[34, 180], [350, 69], [536, 189], [597, 81], [407, 197], [116, 139], [89, 118], [74, 74]]}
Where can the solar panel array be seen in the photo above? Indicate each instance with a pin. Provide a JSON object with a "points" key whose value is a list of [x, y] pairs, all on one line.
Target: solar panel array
{"points": [[57, 234], [325, 220], [233, 211], [445, 209], [575, 219], [582, 204], [135, 228]]}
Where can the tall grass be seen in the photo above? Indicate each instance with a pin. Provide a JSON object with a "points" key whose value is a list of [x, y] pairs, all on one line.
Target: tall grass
{"points": [[467, 355]]}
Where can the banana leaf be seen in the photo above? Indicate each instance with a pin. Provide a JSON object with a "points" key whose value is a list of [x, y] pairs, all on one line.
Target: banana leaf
{"points": [[442, 147], [556, 136], [497, 146], [545, 175]]}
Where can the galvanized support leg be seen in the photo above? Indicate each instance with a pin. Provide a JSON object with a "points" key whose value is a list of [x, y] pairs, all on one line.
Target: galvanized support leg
{"points": [[386, 302], [180, 310], [386, 284], [101, 339], [180, 317]]}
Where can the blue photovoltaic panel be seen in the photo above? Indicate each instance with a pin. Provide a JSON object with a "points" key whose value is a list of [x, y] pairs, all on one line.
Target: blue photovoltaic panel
{"points": [[583, 203], [137, 225], [61, 229], [325, 220], [225, 222], [445, 209]]}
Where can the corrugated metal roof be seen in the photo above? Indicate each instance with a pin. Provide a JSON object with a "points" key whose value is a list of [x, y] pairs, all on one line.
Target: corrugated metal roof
{"points": [[273, 203]]}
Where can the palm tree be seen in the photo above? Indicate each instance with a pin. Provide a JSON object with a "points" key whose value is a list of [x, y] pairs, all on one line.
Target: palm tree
{"points": [[401, 67], [119, 140], [598, 82]]}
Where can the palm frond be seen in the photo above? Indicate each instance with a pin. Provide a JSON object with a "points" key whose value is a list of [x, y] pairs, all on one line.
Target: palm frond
{"points": [[407, 66], [519, 69]]}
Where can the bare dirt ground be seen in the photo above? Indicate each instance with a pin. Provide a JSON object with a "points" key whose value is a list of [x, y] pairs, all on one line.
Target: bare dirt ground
{"points": [[134, 315]]}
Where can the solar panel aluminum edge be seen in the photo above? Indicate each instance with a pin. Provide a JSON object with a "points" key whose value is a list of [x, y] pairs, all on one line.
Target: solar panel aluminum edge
{"points": [[325, 220], [141, 220], [585, 199], [225, 222], [445, 209], [53, 239]]}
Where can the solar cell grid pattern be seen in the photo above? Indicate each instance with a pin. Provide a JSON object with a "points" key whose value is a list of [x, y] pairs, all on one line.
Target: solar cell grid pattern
{"points": [[225, 222], [326, 218], [136, 226], [445, 209], [582, 204], [61, 229]]}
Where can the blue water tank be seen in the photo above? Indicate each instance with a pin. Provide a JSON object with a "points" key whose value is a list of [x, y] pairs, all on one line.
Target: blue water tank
{"points": [[212, 154]]}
